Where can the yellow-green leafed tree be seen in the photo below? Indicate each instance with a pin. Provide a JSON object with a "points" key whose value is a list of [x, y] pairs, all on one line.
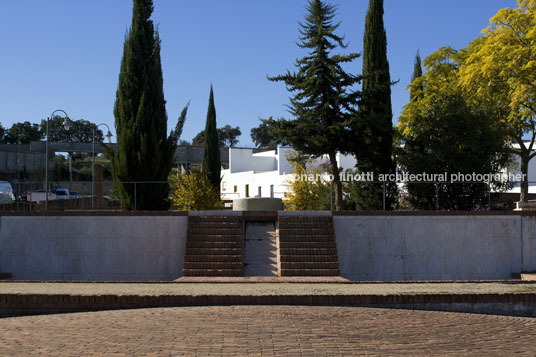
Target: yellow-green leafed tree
{"points": [[307, 194], [447, 130], [193, 192], [439, 80], [500, 69]]}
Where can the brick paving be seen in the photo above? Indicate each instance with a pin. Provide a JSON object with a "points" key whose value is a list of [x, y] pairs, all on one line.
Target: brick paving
{"points": [[267, 330], [210, 286], [262, 279]]}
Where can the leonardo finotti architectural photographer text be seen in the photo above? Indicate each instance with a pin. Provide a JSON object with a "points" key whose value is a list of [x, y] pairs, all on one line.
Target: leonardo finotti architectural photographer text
{"points": [[406, 177]]}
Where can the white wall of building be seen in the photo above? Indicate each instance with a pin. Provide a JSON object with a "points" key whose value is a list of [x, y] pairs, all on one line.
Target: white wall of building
{"points": [[238, 159], [283, 165], [270, 171], [531, 176], [346, 161], [267, 181]]}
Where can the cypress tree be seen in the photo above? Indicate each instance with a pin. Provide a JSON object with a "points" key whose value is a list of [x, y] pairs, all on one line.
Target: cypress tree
{"points": [[324, 102], [417, 67], [374, 150], [211, 165], [417, 73], [145, 152]]}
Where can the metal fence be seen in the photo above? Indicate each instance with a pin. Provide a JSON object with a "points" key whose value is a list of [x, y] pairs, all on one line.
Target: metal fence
{"points": [[426, 195], [30, 196], [85, 195]]}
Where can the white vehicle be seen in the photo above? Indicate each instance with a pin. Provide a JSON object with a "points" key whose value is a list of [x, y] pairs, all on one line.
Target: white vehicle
{"points": [[39, 196], [61, 193], [6, 192]]}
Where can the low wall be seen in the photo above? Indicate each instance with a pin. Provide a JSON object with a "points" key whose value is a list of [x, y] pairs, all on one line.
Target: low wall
{"points": [[376, 247], [99, 248], [496, 304], [436, 247]]}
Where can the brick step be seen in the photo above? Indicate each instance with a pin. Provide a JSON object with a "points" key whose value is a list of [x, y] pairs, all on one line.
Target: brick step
{"points": [[310, 272], [212, 244], [214, 219], [212, 272], [307, 251], [305, 219], [212, 258], [308, 245], [309, 258], [307, 225], [309, 265], [214, 231], [214, 265], [214, 238], [306, 232], [212, 225], [306, 238], [213, 251]]}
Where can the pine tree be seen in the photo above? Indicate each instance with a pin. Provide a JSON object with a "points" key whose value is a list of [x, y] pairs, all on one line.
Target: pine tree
{"points": [[145, 152], [374, 151], [211, 165], [324, 102]]}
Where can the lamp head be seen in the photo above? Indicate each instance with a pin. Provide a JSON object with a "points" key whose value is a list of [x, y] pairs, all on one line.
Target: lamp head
{"points": [[67, 123], [109, 136]]}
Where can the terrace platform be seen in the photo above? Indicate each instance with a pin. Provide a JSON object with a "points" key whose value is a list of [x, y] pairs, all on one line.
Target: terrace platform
{"points": [[515, 298]]}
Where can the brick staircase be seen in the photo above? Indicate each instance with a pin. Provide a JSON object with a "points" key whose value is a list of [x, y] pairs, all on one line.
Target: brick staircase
{"points": [[307, 246], [214, 246]]}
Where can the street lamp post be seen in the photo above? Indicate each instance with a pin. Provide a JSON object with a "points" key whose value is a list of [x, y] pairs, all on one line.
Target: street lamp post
{"points": [[46, 154], [109, 136]]}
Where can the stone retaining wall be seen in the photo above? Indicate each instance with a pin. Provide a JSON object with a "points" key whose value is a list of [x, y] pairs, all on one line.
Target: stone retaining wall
{"points": [[100, 248], [472, 247], [149, 246]]}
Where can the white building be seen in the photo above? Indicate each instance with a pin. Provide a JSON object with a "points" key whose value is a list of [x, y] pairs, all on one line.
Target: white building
{"points": [[267, 173], [264, 174], [516, 170]]}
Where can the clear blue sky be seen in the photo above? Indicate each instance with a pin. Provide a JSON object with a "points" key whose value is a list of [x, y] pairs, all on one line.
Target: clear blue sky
{"points": [[65, 54]]}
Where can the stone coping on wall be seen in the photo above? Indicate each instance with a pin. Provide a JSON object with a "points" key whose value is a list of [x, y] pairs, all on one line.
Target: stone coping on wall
{"points": [[90, 213], [431, 213], [214, 213], [304, 213], [267, 213]]}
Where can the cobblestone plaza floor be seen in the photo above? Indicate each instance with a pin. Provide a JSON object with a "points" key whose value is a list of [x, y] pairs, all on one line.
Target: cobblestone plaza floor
{"points": [[267, 330]]}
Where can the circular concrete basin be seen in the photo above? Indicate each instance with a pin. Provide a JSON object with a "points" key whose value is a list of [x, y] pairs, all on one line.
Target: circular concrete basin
{"points": [[258, 204]]}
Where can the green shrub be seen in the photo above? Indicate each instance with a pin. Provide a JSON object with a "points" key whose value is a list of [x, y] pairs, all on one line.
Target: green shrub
{"points": [[193, 192]]}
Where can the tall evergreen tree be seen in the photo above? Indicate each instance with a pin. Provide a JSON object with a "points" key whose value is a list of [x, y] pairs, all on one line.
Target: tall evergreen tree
{"points": [[145, 152], [324, 102], [374, 151], [211, 165], [417, 73], [417, 67]]}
